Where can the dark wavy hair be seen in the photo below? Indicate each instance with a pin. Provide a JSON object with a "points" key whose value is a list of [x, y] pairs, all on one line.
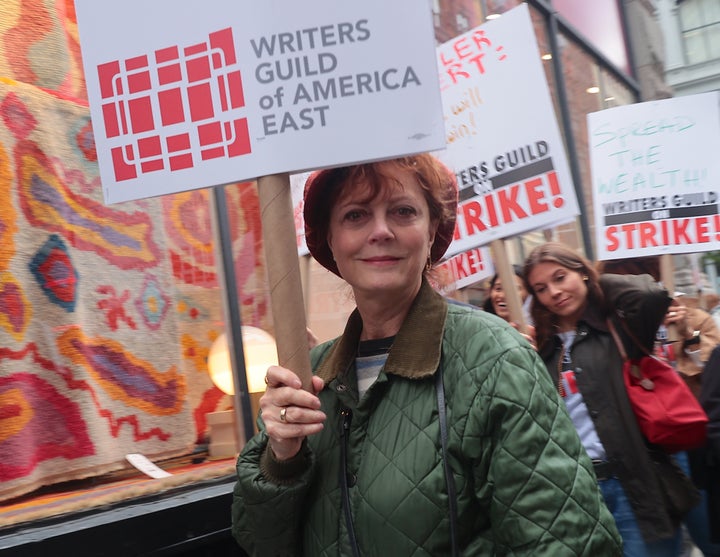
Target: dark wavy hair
{"points": [[487, 304], [649, 265], [544, 320]]}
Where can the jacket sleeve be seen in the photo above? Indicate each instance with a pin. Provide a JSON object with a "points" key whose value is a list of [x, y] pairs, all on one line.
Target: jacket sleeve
{"points": [[710, 400], [534, 473], [698, 320], [709, 333], [267, 508], [267, 513], [639, 301]]}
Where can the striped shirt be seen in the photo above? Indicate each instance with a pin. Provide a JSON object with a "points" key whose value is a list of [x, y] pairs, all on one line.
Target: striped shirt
{"points": [[372, 355]]}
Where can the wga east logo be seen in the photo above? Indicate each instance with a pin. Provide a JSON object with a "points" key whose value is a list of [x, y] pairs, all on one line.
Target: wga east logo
{"points": [[174, 108]]}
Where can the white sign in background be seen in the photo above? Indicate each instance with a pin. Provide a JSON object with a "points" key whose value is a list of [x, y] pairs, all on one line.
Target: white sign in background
{"points": [[466, 268], [503, 141], [186, 95], [297, 188], [494, 93], [656, 176]]}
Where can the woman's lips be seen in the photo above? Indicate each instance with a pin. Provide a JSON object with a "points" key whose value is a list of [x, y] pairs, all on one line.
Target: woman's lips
{"points": [[380, 259]]}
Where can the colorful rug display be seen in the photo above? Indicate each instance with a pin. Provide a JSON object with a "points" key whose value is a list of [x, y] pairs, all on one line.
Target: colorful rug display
{"points": [[39, 45], [107, 313]]}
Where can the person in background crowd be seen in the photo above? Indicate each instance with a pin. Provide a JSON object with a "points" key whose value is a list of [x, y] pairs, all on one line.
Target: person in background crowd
{"points": [[496, 302], [696, 329], [710, 400], [699, 336], [712, 303], [644, 489], [431, 424]]}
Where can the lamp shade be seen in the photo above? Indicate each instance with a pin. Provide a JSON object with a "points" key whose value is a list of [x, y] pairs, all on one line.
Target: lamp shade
{"points": [[260, 353]]}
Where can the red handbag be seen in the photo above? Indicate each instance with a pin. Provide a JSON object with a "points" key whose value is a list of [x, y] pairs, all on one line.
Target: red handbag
{"points": [[667, 412]]}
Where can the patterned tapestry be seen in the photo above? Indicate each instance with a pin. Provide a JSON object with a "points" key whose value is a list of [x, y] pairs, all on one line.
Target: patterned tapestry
{"points": [[107, 313]]}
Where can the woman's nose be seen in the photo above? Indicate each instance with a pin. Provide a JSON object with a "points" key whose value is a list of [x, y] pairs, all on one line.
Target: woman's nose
{"points": [[380, 228]]}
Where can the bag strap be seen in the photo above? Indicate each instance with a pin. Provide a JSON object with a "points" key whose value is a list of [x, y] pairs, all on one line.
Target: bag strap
{"points": [[632, 336], [452, 497], [616, 338], [634, 370]]}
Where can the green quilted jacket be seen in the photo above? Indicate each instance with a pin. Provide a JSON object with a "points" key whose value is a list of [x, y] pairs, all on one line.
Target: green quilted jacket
{"points": [[523, 481]]}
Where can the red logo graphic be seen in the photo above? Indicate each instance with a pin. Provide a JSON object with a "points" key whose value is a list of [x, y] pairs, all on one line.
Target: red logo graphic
{"points": [[146, 98], [570, 382]]}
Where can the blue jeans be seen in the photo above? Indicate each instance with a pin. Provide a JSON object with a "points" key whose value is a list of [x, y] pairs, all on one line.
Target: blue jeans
{"points": [[696, 520], [633, 543]]}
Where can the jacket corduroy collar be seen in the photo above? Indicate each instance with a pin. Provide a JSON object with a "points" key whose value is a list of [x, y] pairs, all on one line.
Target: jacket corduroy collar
{"points": [[416, 351], [592, 317]]}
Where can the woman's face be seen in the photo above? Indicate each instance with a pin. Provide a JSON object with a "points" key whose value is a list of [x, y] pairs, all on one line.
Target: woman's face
{"points": [[381, 245], [497, 297], [561, 290]]}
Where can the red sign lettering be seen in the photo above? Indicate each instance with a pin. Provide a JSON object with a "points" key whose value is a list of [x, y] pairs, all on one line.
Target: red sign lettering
{"points": [[508, 204], [676, 232]]}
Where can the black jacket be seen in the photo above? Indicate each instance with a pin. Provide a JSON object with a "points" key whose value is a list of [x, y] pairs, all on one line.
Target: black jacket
{"points": [[658, 491], [710, 400]]}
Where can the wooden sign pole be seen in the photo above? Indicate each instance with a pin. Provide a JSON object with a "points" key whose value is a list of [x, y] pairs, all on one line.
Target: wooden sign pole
{"points": [[283, 268], [507, 276]]}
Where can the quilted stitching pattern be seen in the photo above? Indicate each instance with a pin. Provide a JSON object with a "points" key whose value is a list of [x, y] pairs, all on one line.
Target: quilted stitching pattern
{"points": [[509, 472]]}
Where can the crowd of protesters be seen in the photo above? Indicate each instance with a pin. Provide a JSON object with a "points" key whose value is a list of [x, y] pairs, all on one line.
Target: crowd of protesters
{"points": [[435, 428], [570, 300]]}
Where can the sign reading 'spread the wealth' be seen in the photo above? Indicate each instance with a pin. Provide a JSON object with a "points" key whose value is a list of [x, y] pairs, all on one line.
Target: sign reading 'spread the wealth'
{"points": [[656, 176], [503, 141], [187, 94]]}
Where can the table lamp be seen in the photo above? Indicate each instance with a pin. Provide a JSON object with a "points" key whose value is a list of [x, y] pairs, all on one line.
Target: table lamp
{"points": [[260, 352]]}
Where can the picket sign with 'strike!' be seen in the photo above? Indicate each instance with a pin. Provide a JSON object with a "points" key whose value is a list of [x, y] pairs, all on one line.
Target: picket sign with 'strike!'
{"points": [[656, 176]]}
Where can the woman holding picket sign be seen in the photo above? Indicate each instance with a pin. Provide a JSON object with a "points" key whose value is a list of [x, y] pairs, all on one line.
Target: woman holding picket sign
{"points": [[583, 341], [433, 429]]}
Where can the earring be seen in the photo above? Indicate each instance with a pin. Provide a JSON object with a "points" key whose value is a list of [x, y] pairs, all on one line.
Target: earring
{"points": [[585, 277], [428, 265]]}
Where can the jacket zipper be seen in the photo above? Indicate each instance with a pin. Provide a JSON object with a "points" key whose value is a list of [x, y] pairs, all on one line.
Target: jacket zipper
{"points": [[346, 415]]}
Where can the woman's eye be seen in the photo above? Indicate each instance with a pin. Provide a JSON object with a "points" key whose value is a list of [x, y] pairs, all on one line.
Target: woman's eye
{"points": [[353, 215], [405, 211]]}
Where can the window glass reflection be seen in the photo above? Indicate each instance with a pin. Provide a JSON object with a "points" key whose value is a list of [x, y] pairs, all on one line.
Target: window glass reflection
{"points": [[700, 20]]}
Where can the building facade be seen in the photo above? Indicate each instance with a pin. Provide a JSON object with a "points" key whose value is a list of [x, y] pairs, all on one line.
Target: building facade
{"points": [[691, 29], [692, 38]]}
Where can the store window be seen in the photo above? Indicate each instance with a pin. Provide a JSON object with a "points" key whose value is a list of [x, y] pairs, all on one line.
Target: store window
{"points": [[700, 22], [158, 311], [108, 315], [600, 24], [589, 88]]}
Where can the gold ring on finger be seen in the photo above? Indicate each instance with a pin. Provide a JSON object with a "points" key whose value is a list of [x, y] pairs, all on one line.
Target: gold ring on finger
{"points": [[283, 414]]}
